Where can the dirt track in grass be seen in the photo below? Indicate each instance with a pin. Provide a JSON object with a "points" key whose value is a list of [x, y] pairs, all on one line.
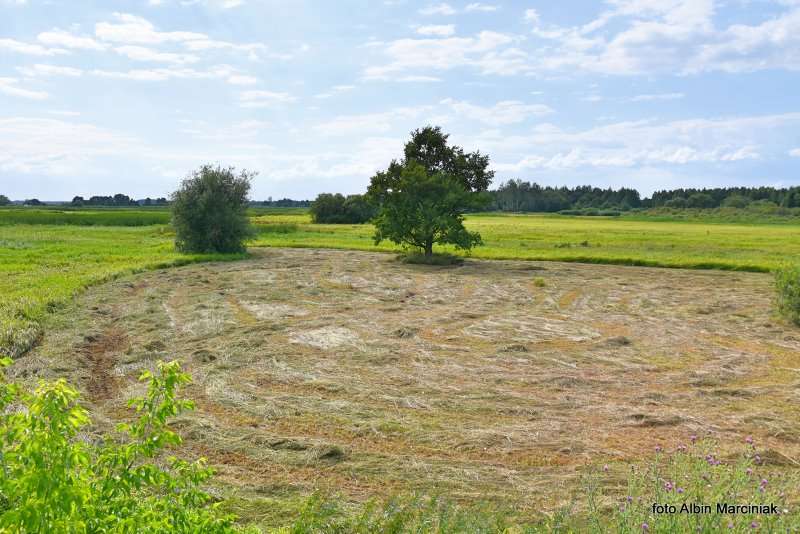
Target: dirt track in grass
{"points": [[351, 372]]}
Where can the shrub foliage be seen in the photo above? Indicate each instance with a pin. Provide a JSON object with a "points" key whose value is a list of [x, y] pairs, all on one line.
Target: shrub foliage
{"points": [[787, 282], [53, 481], [209, 211], [337, 209]]}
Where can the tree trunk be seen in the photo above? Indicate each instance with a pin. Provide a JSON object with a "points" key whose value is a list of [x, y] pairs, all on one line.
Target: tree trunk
{"points": [[429, 248]]}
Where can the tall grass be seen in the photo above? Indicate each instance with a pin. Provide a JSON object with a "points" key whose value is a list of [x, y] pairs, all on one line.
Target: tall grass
{"points": [[89, 217], [41, 267], [690, 244]]}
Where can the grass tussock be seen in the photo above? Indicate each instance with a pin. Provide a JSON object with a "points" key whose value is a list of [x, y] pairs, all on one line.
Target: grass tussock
{"points": [[276, 228], [440, 260]]}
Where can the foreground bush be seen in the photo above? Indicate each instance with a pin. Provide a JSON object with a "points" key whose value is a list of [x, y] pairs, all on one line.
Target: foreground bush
{"points": [[56, 481], [787, 283], [209, 211], [338, 209]]}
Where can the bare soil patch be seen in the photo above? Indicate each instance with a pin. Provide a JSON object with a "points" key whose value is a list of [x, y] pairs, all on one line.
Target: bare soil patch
{"points": [[356, 373]]}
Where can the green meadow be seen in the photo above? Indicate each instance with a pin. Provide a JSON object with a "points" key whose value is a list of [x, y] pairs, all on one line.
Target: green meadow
{"points": [[659, 243], [47, 255]]}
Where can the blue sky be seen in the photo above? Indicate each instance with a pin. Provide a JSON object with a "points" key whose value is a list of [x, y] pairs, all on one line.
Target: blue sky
{"points": [[128, 96]]}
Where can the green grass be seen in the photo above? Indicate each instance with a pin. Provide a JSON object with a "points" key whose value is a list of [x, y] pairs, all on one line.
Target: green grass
{"points": [[47, 255], [687, 244], [41, 267], [85, 217]]}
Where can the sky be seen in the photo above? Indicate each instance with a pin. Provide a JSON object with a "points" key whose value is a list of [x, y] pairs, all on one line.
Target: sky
{"points": [[129, 96]]}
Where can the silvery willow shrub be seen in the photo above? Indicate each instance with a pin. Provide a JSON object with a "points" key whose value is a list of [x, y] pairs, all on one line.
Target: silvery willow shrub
{"points": [[53, 480], [209, 211]]}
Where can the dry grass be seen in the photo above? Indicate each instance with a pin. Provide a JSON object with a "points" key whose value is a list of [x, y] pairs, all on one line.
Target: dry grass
{"points": [[352, 372]]}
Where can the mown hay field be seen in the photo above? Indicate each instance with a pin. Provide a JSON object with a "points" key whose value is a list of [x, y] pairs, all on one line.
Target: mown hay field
{"points": [[350, 373], [48, 255]]}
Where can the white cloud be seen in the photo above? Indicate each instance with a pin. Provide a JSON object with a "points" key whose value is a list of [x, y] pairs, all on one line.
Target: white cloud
{"points": [[370, 123], [241, 79], [438, 9], [137, 30], [445, 30], [336, 89], [48, 70], [167, 73], [501, 113], [643, 143], [652, 36], [238, 131], [65, 39], [141, 53], [657, 97], [795, 153], [29, 48], [480, 51], [477, 6], [262, 99], [56, 147], [532, 16], [9, 86], [646, 37]]}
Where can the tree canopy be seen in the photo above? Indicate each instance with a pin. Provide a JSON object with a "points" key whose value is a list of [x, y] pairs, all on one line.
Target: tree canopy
{"points": [[421, 199]]}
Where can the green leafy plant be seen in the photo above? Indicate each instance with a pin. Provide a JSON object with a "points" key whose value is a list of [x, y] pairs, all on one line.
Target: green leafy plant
{"points": [[54, 480], [693, 489], [209, 211], [787, 284]]}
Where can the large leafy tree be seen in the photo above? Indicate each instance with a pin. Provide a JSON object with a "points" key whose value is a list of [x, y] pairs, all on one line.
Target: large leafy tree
{"points": [[422, 197]]}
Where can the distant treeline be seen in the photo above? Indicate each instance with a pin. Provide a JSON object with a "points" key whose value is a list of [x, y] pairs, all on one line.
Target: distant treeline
{"points": [[282, 203], [733, 197], [116, 201], [516, 195]]}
